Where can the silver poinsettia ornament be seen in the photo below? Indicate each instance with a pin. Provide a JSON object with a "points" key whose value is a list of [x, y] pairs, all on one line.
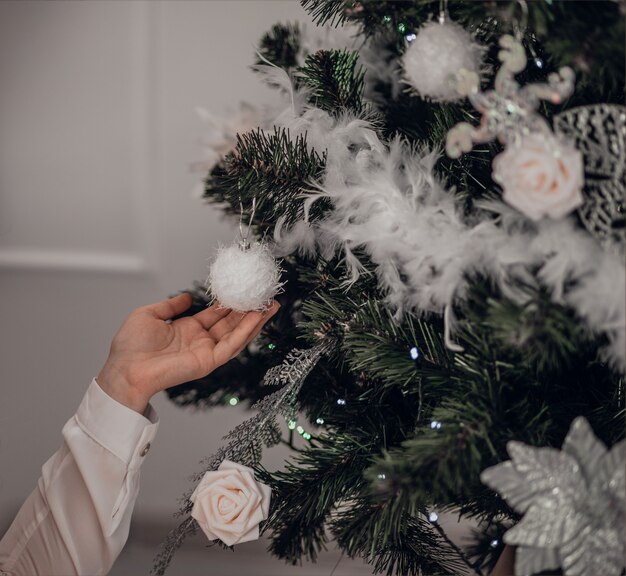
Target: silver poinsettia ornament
{"points": [[573, 501]]}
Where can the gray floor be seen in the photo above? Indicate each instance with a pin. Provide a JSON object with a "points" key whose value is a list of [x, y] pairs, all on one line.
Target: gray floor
{"points": [[251, 558], [195, 558]]}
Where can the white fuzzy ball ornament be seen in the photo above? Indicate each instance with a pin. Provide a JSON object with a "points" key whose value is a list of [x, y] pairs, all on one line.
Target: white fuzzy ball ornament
{"points": [[244, 278], [438, 53]]}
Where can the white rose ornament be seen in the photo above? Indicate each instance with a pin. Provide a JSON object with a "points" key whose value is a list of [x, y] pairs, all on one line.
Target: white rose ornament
{"points": [[229, 504], [540, 176]]}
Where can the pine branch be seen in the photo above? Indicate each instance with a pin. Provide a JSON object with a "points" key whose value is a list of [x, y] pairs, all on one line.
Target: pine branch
{"points": [[394, 542], [335, 81], [382, 345], [545, 334], [486, 545], [307, 491], [271, 167], [495, 393], [280, 46], [332, 12], [324, 485]]}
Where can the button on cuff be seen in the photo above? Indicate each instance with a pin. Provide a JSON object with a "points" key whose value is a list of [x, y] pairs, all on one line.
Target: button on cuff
{"points": [[114, 426]]}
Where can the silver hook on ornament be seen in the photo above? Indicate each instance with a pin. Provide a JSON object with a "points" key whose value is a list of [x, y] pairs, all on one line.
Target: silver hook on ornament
{"points": [[244, 244]]}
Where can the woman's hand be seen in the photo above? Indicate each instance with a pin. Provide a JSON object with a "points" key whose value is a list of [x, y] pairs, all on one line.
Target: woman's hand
{"points": [[151, 353]]}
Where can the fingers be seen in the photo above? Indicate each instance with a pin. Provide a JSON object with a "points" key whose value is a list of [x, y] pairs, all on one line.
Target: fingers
{"points": [[169, 308], [211, 315], [268, 315], [248, 328], [226, 324]]}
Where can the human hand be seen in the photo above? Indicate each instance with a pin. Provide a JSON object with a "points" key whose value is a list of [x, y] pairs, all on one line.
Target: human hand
{"points": [[149, 353]]}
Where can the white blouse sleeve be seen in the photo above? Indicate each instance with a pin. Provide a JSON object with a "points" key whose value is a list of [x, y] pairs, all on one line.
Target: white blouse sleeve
{"points": [[76, 521]]}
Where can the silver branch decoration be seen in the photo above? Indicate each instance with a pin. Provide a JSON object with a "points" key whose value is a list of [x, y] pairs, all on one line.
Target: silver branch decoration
{"points": [[573, 501], [599, 132], [244, 443]]}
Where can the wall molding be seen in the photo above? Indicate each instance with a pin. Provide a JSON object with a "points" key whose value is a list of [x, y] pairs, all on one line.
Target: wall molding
{"points": [[144, 198], [73, 260]]}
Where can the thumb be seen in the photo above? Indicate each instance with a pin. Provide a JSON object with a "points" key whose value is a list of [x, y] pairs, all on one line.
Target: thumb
{"points": [[171, 307]]}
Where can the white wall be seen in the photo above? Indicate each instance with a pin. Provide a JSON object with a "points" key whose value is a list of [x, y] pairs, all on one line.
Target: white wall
{"points": [[97, 129]]}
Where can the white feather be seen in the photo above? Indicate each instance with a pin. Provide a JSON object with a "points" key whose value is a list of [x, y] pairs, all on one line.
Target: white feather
{"points": [[387, 201], [279, 78]]}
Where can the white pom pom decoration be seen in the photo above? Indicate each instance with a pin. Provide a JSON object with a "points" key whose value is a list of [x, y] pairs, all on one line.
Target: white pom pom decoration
{"points": [[438, 53], [244, 279]]}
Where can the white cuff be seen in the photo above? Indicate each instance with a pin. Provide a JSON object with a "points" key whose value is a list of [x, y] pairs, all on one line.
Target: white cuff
{"points": [[119, 429]]}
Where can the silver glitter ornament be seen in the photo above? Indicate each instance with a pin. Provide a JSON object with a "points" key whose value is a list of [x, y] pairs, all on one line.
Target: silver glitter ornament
{"points": [[509, 111], [599, 132], [573, 501]]}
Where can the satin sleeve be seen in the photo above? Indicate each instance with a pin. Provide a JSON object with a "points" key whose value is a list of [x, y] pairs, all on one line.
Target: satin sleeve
{"points": [[77, 519]]}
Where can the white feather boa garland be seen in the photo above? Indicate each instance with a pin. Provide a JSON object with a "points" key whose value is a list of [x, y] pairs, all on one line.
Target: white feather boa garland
{"points": [[388, 201]]}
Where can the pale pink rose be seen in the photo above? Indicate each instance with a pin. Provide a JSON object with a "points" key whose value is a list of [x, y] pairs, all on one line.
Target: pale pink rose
{"points": [[229, 503], [541, 176]]}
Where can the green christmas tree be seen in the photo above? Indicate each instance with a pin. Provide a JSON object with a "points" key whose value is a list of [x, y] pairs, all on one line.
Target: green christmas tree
{"points": [[426, 320]]}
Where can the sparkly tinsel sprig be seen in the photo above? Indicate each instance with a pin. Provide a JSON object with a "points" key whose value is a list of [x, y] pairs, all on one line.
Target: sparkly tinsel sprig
{"points": [[244, 443]]}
